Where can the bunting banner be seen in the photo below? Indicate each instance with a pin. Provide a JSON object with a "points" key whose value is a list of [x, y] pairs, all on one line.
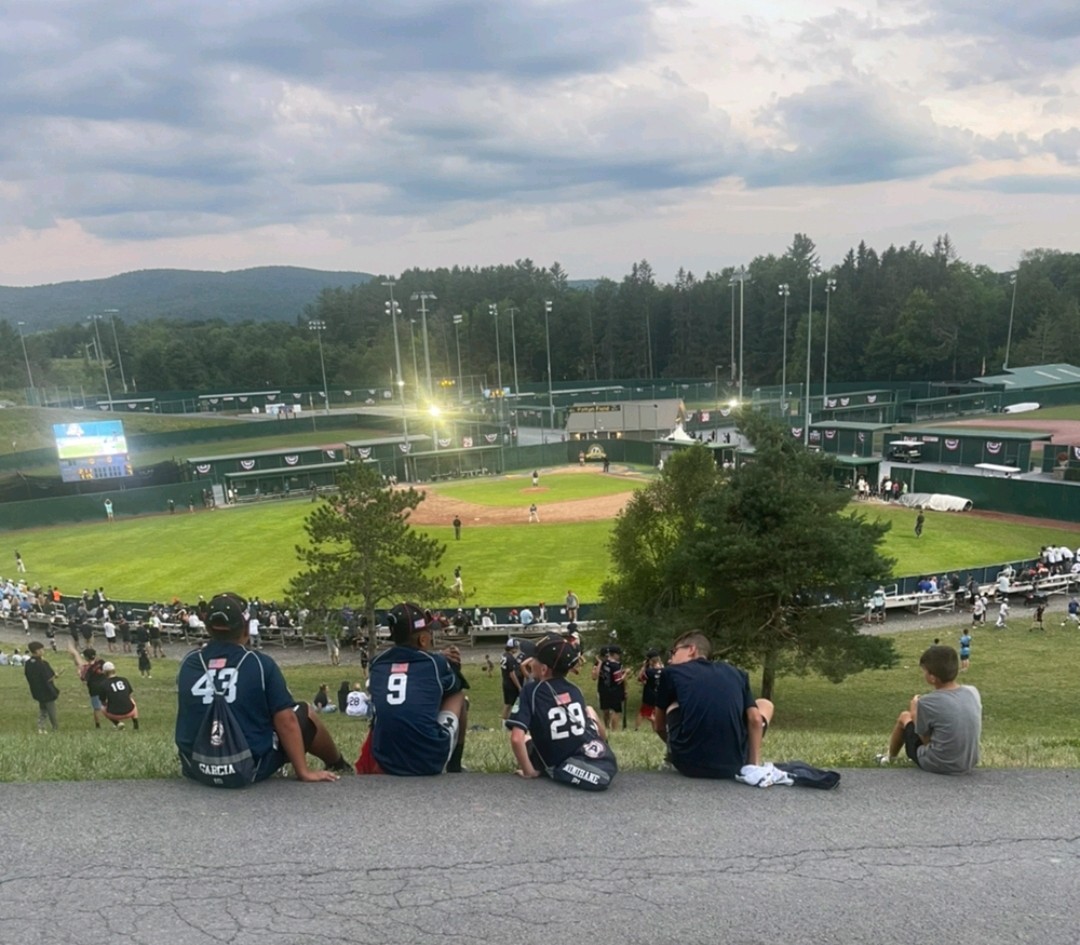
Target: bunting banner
{"points": [[725, 411], [861, 437], [213, 400], [844, 401], [364, 452], [371, 392], [404, 447], [247, 464], [202, 468], [491, 437], [443, 444], [332, 454], [830, 434], [133, 406], [830, 403], [271, 397], [993, 448], [369, 401], [292, 460], [871, 398], [952, 444], [243, 400], [1076, 451], [386, 395], [348, 393], [466, 441], [297, 396], [796, 432], [705, 416]]}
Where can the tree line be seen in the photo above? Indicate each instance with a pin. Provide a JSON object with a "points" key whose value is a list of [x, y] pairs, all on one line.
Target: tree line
{"points": [[906, 313]]}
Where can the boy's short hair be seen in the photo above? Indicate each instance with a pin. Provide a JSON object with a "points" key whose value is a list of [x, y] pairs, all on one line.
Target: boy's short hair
{"points": [[694, 638], [406, 621], [34, 647], [557, 652], [942, 662]]}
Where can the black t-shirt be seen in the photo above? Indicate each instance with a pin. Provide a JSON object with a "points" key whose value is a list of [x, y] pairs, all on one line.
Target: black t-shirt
{"points": [[509, 667], [711, 733], [611, 676], [553, 712], [652, 684], [116, 692]]}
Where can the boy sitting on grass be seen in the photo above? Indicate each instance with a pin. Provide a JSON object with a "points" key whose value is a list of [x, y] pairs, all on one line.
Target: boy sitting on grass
{"points": [[420, 709], [939, 731], [552, 731]]}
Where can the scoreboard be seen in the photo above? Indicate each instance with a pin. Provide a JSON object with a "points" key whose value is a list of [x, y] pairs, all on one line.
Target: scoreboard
{"points": [[92, 451]]}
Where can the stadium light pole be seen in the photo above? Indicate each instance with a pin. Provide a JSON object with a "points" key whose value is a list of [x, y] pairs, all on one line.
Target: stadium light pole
{"points": [[809, 334], [740, 277], [784, 290], [112, 313], [1012, 311], [830, 288], [548, 305], [392, 309], [423, 297], [104, 373], [513, 348], [731, 282], [26, 357], [318, 326], [415, 363], [494, 309], [458, 319]]}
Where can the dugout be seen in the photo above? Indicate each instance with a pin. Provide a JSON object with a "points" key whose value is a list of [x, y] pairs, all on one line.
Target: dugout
{"points": [[867, 406], [969, 446], [849, 438], [270, 472]]}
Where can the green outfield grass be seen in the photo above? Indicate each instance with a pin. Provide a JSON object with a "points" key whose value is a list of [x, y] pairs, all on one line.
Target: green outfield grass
{"points": [[1031, 716], [517, 489], [251, 549]]}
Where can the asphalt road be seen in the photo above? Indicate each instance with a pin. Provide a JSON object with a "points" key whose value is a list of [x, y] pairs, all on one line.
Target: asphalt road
{"points": [[891, 856]]}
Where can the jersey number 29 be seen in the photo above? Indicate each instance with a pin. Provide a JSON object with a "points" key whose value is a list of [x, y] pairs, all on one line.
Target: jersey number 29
{"points": [[566, 721]]}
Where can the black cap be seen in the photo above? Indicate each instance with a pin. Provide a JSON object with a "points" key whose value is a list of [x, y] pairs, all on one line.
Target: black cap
{"points": [[226, 613], [557, 652], [652, 653], [407, 619]]}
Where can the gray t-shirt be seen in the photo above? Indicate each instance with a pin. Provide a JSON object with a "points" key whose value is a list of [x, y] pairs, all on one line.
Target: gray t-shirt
{"points": [[953, 720]]}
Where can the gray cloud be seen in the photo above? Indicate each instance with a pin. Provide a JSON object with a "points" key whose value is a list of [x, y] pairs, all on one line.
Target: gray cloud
{"points": [[853, 131], [1064, 184]]}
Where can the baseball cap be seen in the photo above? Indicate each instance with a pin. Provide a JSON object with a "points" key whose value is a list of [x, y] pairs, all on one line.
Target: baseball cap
{"points": [[108, 668], [556, 652], [652, 653], [526, 647], [226, 613], [405, 619]]}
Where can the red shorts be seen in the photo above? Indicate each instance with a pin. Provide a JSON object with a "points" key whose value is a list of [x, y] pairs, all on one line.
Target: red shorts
{"points": [[366, 763], [646, 711]]}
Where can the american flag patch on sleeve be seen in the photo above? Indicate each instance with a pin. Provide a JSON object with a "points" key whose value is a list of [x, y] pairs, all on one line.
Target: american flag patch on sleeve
{"points": [[399, 667], [218, 663], [563, 698]]}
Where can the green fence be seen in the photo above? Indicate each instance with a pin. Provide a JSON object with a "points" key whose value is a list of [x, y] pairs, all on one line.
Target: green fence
{"points": [[88, 508], [1056, 500]]}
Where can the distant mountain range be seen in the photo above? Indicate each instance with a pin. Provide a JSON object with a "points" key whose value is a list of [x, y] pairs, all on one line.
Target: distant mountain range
{"points": [[268, 293]]}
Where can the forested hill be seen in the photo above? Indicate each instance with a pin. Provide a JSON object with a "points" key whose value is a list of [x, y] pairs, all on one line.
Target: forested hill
{"points": [[269, 293]]}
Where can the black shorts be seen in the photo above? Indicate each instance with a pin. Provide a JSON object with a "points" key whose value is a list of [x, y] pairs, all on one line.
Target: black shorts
{"points": [[610, 700], [911, 742], [510, 694], [274, 759]]}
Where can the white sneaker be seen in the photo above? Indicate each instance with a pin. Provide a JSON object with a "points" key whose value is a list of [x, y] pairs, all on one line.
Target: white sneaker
{"points": [[883, 759]]}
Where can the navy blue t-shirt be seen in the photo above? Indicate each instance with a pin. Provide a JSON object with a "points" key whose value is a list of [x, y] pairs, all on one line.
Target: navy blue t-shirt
{"points": [[711, 732], [407, 690], [253, 686], [553, 712]]}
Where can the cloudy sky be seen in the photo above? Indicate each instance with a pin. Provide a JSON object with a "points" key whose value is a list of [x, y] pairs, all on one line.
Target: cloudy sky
{"points": [[344, 134]]}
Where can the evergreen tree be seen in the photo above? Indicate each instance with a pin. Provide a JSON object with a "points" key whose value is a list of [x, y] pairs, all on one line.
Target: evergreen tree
{"points": [[362, 550]]}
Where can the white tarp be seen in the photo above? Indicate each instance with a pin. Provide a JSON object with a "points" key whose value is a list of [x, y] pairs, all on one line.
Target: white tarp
{"points": [[936, 501]]}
